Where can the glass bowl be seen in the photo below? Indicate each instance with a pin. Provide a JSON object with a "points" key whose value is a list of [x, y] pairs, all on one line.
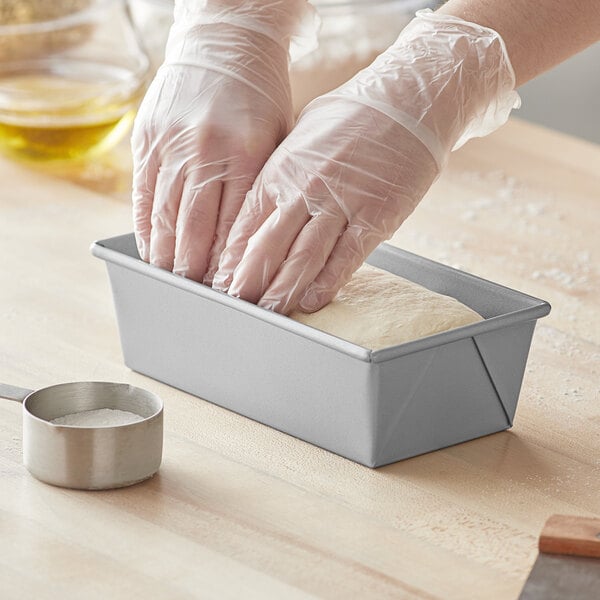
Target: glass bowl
{"points": [[70, 82]]}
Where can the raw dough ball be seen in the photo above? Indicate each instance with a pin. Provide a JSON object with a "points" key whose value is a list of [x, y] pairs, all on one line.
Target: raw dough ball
{"points": [[377, 309]]}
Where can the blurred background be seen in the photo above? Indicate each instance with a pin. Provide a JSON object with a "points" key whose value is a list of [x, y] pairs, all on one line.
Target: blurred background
{"points": [[567, 98], [72, 72]]}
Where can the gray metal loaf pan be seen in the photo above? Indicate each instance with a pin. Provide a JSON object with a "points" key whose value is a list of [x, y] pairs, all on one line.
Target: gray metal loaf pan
{"points": [[373, 407]]}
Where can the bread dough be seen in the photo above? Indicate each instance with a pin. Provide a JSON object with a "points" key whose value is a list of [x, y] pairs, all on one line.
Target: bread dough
{"points": [[377, 309]]}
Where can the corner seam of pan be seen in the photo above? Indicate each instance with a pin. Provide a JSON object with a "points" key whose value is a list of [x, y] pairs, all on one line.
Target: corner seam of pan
{"points": [[442, 338]]}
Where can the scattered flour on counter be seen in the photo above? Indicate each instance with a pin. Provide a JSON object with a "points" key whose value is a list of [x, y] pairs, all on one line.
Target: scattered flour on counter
{"points": [[535, 209], [584, 257], [102, 417], [468, 215]]}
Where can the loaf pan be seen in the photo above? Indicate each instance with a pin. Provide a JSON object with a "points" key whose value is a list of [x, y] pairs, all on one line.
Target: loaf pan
{"points": [[373, 407]]}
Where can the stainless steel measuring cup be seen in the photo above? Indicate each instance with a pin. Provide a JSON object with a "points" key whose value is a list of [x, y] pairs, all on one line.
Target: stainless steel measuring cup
{"points": [[83, 457]]}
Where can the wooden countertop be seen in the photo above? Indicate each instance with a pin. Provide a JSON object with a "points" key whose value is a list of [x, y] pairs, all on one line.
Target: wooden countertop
{"points": [[239, 510]]}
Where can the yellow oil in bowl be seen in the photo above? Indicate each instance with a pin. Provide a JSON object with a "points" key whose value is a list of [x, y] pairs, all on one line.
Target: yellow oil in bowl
{"points": [[65, 110]]}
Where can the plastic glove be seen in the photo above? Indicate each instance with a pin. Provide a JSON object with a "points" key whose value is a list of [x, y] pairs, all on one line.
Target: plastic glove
{"points": [[216, 110], [360, 159]]}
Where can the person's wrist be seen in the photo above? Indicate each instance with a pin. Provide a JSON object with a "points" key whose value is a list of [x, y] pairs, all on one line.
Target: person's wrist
{"points": [[444, 80], [245, 56], [285, 22], [225, 42], [463, 76]]}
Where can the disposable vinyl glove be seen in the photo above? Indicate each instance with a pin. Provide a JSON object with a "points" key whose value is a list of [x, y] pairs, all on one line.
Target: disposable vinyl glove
{"points": [[216, 110], [360, 159]]}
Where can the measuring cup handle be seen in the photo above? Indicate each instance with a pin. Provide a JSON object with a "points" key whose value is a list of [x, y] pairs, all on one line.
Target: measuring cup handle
{"points": [[12, 392]]}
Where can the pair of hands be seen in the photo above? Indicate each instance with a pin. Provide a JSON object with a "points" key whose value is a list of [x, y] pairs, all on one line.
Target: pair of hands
{"points": [[224, 192]]}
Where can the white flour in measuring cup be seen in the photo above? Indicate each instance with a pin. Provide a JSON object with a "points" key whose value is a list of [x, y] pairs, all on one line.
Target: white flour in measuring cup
{"points": [[102, 417]]}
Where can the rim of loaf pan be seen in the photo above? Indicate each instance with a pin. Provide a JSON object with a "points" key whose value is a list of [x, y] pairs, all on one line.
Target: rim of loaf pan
{"points": [[119, 250]]}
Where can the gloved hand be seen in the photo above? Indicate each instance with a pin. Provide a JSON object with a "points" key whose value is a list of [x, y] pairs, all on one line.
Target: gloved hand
{"points": [[360, 159], [216, 110]]}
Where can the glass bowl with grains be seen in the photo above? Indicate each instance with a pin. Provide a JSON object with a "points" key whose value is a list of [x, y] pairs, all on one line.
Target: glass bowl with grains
{"points": [[72, 73]]}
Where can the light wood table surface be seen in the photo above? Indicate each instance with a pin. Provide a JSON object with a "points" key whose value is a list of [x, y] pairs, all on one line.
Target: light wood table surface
{"points": [[239, 510]]}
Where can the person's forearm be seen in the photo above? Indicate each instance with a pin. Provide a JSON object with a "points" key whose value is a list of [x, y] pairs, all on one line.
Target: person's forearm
{"points": [[538, 35]]}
